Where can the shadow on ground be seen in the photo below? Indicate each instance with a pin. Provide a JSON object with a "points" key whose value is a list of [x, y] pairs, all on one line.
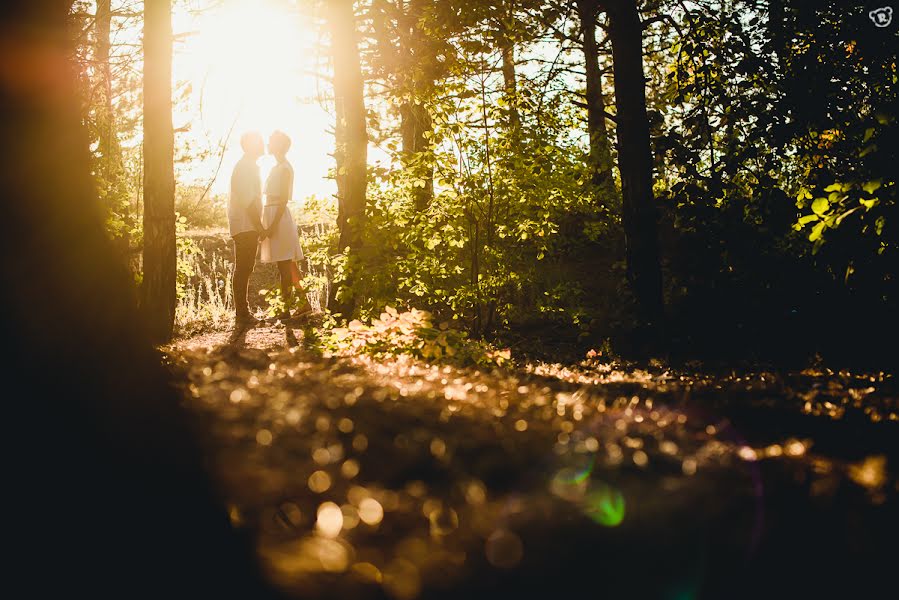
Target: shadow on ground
{"points": [[369, 479]]}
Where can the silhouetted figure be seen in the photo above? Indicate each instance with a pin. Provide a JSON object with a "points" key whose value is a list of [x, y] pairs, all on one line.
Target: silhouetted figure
{"points": [[244, 224]]}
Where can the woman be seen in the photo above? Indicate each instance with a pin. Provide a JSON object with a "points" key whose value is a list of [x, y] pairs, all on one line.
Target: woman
{"points": [[280, 242]]}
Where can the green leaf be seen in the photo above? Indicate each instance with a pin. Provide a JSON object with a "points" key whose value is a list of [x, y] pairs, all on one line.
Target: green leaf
{"points": [[869, 204], [804, 194], [867, 150], [807, 219], [834, 187], [817, 232], [871, 186], [820, 206]]}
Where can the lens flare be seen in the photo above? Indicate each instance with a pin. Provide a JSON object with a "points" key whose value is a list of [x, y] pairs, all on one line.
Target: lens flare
{"points": [[571, 483], [504, 549], [604, 505]]}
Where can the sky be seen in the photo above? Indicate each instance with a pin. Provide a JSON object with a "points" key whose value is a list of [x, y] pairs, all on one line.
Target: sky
{"points": [[250, 65]]}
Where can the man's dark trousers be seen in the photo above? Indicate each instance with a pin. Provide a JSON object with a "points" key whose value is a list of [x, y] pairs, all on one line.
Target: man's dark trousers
{"points": [[245, 244]]}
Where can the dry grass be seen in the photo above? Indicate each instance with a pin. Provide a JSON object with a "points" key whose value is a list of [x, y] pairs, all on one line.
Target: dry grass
{"points": [[205, 300]]}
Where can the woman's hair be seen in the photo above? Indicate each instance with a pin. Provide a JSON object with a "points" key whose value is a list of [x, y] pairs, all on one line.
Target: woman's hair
{"points": [[280, 142]]}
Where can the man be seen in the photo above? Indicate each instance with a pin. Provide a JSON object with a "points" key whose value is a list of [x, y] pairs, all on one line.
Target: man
{"points": [[244, 221]]}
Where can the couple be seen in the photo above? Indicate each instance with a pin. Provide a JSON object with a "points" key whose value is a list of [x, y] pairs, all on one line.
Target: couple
{"points": [[251, 222]]}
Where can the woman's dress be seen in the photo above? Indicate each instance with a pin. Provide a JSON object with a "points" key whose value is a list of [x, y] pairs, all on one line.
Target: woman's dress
{"points": [[283, 242]]}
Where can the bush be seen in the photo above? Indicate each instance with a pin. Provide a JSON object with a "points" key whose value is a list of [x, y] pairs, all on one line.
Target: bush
{"points": [[410, 333]]}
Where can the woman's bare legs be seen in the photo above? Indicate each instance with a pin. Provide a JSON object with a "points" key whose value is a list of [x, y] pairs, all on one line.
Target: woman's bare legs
{"points": [[286, 271]]}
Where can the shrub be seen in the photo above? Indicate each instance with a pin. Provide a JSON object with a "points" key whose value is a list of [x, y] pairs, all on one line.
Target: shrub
{"points": [[410, 333]]}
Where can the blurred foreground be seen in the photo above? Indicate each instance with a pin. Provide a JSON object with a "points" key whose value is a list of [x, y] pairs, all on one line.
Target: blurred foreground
{"points": [[402, 480]]}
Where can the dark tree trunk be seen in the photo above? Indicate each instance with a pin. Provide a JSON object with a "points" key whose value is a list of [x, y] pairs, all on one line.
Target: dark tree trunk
{"points": [[111, 170], [105, 445], [415, 123], [415, 120], [600, 157], [108, 142], [510, 84], [510, 81], [635, 162], [351, 136], [158, 292], [403, 60]]}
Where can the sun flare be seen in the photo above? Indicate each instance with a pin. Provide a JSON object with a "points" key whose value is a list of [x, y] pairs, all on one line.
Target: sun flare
{"points": [[248, 64]]}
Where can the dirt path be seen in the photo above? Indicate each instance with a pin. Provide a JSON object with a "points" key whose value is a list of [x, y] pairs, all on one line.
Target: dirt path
{"points": [[363, 478]]}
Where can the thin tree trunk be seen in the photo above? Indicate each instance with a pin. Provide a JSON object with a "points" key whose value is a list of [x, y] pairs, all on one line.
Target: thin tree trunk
{"points": [[510, 83], [415, 120], [635, 162], [111, 171], [415, 123], [158, 295], [401, 47], [102, 26], [351, 135], [600, 157]]}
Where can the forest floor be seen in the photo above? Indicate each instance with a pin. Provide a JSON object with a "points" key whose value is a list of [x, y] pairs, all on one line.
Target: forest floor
{"points": [[364, 478]]}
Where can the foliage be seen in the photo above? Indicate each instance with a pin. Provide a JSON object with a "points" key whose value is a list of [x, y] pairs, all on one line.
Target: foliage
{"points": [[199, 209], [773, 133], [110, 101], [507, 201], [204, 288], [755, 144], [411, 333]]}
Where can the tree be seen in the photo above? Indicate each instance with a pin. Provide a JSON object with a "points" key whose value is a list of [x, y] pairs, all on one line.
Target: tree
{"points": [[110, 169], [506, 39], [112, 428], [407, 60], [103, 68], [635, 161], [600, 155], [159, 254], [350, 133]]}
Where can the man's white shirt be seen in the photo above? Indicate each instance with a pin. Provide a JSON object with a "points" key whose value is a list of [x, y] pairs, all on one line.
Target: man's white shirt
{"points": [[246, 191]]}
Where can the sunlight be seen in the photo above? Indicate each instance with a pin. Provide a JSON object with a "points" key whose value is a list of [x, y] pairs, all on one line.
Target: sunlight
{"points": [[248, 65]]}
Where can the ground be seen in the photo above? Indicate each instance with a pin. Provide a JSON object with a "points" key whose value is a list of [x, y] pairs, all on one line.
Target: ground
{"points": [[365, 478]]}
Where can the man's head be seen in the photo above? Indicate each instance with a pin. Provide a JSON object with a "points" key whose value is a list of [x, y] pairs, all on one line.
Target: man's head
{"points": [[278, 143], [252, 144]]}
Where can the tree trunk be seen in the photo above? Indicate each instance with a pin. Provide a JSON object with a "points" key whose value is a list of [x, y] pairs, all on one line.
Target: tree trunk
{"points": [[600, 157], [351, 135], [108, 146], [111, 170], [403, 53], [113, 432], [415, 123], [415, 120], [510, 83], [635, 162], [158, 295]]}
